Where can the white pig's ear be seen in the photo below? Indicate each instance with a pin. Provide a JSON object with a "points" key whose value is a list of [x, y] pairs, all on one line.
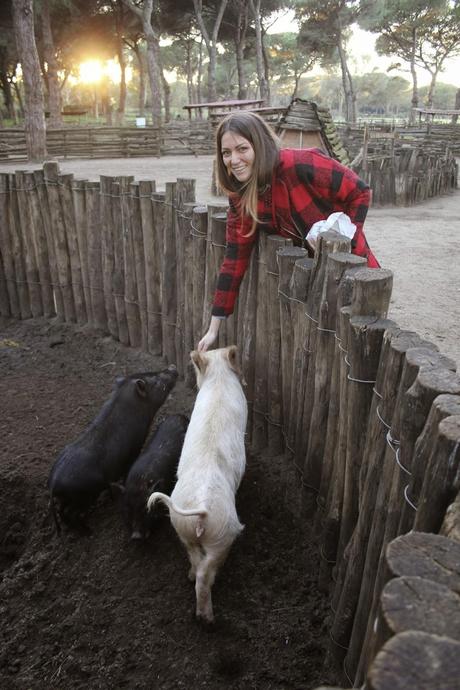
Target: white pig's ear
{"points": [[232, 354], [199, 360]]}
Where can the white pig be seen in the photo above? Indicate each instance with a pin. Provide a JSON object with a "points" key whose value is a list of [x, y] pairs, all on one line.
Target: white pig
{"points": [[211, 465]]}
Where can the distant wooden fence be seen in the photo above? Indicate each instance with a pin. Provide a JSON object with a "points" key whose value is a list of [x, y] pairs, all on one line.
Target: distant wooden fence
{"points": [[364, 416], [404, 166], [176, 137]]}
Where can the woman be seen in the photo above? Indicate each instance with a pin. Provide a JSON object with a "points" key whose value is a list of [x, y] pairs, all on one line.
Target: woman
{"points": [[280, 191]]}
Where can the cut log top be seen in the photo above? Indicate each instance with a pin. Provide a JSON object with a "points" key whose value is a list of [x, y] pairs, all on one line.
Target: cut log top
{"points": [[418, 357], [415, 603], [416, 661], [431, 556]]}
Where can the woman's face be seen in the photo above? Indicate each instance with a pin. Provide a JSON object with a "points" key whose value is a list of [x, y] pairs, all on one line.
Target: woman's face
{"points": [[238, 156]]}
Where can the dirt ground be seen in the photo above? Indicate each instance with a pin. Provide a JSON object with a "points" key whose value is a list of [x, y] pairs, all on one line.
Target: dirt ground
{"points": [[420, 244], [104, 612]]}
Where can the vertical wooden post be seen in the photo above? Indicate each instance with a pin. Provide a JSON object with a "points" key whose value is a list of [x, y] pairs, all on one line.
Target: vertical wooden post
{"points": [[441, 482], [286, 261], [158, 216], [260, 407], [189, 342], [274, 379], [93, 214], [40, 244], [210, 275], [328, 243], [199, 230], [247, 314], [68, 212], [7, 249], [152, 254], [364, 346], [131, 297], [168, 287], [337, 264], [107, 252], [51, 172], [4, 301], [139, 262], [371, 298], [18, 251], [344, 266], [118, 280], [25, 229], [39, 177], [78, 190], [298, 290], [185, 193], [300, 283]]}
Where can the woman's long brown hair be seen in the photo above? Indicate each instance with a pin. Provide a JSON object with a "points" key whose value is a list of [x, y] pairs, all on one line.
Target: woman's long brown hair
{"points": [[266, 147]]}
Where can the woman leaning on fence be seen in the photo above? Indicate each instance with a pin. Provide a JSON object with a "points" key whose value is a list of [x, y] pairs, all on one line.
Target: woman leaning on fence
{"points": [[280, 191]]}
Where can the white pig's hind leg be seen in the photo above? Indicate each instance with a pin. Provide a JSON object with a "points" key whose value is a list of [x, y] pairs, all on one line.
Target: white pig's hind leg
{"points": [[205, 576], [195, 555]]}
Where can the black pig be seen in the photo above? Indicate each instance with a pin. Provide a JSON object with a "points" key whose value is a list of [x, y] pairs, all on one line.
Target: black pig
{"points": [[154, 470], [110, 444]]}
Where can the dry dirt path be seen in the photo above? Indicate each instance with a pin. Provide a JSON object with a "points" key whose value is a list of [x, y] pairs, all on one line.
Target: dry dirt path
{"points": [[420, 244]]}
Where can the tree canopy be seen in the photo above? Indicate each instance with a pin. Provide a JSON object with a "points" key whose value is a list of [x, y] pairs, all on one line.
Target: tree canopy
{"points": [[218, 49]]}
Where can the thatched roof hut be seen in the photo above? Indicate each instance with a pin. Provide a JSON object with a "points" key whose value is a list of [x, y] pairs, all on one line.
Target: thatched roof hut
{"points": [[306, 124]]}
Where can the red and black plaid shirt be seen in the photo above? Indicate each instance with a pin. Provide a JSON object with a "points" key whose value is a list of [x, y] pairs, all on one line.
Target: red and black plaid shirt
{"points": [[307, 186]]}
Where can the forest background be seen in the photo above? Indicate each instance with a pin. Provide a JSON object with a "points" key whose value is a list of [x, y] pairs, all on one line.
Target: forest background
{"points": [[112, 61]]}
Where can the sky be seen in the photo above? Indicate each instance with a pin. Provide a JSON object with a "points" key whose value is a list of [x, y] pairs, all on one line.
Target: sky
{"points": [[363, 58]]}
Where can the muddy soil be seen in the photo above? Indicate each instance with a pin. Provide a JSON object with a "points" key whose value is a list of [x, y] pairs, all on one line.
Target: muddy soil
{"points": [[103, 612]]}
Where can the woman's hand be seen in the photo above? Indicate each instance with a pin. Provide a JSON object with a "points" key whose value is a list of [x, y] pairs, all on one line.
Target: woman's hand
{"points": [[213, 331]]}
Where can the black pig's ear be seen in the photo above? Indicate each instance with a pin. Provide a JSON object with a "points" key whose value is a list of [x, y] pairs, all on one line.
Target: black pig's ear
{"points": [[116, 489], [141, 387], [153, 485]]}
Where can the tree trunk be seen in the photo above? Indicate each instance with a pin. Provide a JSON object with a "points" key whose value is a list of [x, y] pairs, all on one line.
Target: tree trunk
{"points": [[167, 97], [266, 71], [263, 86], [430, 94], [352, 96], [49, 53], [240, 44], [153, 55], [141, 64], [199, 77], [122, 91], [347, 86], [211, 43], [296, 86], [189, 71], [5, 87], [23, 22], [212, 88], [414, 100], [456, 107], [17, 91]]}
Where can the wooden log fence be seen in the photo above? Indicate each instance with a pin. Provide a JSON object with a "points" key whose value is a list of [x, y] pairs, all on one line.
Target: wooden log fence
{"points": [[173, 138], [404, 166], [366, 416]]}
